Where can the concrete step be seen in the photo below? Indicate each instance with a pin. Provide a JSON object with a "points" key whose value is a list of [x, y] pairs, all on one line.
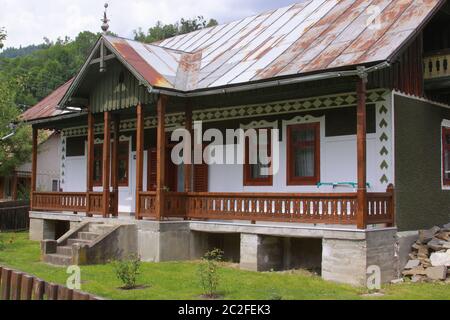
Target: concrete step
{"points": [[88, 235], [64, 250], [82, 241], [58, 259], [100, 228]]}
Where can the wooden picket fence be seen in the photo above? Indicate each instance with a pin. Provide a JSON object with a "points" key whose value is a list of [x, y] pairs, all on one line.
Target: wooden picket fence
{"points": [[16, 285], [14, 215]]}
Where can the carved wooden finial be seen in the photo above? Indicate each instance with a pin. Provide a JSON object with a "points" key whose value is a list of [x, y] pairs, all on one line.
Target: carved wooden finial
{"points": [[105, 20]]}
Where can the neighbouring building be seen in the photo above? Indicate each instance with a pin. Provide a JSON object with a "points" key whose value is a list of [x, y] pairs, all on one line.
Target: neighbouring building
{"points": [[359, 93], [17, 185]]}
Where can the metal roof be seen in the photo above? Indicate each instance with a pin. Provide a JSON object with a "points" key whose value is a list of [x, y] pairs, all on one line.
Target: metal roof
{"points": [[311, 36], [48, 106]]}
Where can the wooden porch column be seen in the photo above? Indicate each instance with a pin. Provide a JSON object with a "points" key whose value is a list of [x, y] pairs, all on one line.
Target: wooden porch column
{"points": [[90, 161], [106, 163], [361, 214], [161, 156], [34, 164], [188, 166], [115, 166], [139, 157]]}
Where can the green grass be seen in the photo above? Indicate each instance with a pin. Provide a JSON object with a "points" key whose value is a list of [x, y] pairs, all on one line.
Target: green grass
{"points": [[179, 280]]}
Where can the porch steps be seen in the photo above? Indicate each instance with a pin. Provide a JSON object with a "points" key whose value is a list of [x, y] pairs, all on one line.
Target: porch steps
{"points": [[58, 259], [86, 236]]}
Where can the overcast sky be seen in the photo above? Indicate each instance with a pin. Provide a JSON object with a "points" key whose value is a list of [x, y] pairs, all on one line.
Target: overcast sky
{"points": [[28, 21]]}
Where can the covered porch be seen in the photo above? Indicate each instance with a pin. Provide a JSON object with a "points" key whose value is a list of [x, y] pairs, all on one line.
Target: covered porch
{"points": [[359, 208]]}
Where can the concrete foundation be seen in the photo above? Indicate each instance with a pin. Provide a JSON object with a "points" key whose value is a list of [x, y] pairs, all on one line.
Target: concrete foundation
{"points": [[341, 254], [347, 261]]}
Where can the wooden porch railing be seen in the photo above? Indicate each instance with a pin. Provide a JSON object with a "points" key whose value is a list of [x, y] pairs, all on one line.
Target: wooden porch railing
{"points": [[89, 202], [329, 208], [339, 208], [326, 208], [436, 66], [147, 205]]}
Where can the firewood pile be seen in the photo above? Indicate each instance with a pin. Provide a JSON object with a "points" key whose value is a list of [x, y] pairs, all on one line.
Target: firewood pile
{"points": [[430, 256]]}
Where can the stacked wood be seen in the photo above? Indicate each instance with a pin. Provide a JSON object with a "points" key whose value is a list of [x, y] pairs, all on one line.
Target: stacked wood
{"points": [[430, 256]]}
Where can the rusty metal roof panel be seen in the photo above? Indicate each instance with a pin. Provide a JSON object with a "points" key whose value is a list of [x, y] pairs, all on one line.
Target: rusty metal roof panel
{"points": [[310, 36], [314, 35], [47, 107]]}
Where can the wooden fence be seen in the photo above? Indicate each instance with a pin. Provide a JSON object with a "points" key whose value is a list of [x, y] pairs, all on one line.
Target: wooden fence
{"points": [[16, 285], [14, 215]]}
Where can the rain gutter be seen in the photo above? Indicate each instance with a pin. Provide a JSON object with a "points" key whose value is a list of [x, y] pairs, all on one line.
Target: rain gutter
{"points": [[359, 71]]}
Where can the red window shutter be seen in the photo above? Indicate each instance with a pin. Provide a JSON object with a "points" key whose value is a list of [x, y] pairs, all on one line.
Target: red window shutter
{"points": [[200, 177], [151, 168]]}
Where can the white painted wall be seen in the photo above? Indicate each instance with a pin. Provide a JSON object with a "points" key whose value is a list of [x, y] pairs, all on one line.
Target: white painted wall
{"points": [[48, 163], [338, 164]]}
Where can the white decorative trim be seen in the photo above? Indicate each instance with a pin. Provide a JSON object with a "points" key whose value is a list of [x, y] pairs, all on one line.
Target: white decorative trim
{"points": [[445, 124], [63, 148], [260, 124], [383, 123], [436, 103], [304, 120], [246, 111]]}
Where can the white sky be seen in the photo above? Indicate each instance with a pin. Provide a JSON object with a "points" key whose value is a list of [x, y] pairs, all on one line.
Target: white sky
{"points": [[29, 21]]}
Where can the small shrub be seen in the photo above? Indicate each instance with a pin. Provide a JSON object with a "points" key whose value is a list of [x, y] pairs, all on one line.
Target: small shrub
{"points": [[127, 271], [208, 272]]}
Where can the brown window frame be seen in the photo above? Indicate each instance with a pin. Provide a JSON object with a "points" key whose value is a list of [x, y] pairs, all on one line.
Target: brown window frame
{"points": [[126, 158], [302, 181], [249, 181], [445, 146], [99, 182]]}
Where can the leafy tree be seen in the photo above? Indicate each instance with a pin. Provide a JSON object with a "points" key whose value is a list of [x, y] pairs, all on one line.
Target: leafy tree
{"points": [[163, 31], [2, 37], [16, 149], [37, 74]]}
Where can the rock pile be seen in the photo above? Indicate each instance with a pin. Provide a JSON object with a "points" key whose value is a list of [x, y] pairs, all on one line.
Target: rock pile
{"points": [[430, 256]]}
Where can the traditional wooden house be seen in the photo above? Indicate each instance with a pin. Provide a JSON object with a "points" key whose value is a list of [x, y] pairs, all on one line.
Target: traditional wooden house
{"points": [[359, 91]]}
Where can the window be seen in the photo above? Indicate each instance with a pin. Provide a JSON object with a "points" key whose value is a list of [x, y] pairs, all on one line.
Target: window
{"points": [[253, 173], [55, 185], [123, 157], [303, 154], [98, 166], [446, 156]]}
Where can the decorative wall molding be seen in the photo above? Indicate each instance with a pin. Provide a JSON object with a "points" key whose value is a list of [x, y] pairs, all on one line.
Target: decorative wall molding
{"points": [[260, 124], [384, 141], [245, 111], [63, 147]]}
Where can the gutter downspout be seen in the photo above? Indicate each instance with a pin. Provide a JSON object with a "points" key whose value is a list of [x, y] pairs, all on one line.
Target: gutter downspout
{"points": [[276, 83]]}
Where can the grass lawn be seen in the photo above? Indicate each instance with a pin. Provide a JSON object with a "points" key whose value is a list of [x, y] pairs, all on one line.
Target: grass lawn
{"points": [[179, 280]]}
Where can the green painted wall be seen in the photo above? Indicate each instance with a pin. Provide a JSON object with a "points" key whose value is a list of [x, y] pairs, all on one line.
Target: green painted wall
{"points": [[117, 89], [420, 200]]}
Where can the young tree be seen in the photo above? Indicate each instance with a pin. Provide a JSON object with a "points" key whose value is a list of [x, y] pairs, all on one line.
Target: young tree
{"points": [[15, 149], [2, 37]]}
